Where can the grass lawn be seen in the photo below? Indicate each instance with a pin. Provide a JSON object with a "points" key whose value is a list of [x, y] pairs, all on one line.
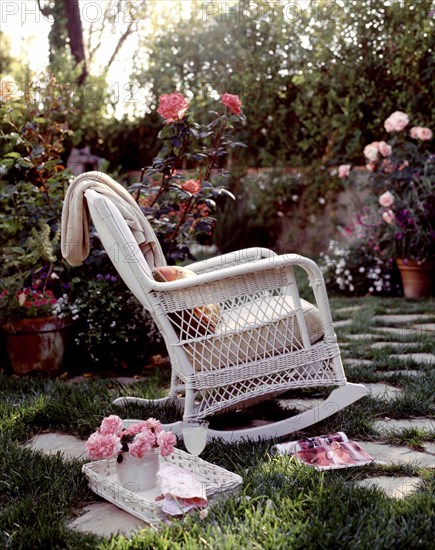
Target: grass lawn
{"points": [[282, 505]]}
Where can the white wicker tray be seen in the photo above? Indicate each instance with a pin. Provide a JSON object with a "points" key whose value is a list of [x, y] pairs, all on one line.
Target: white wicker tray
{"points": [[103, 481]]}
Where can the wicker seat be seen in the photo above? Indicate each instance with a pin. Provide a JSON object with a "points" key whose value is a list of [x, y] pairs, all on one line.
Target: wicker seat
{"points": [[263, 341]]}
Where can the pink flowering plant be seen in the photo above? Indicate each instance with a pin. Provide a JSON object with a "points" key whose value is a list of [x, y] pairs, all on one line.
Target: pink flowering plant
{"points": [[178, 191], [111, 439], [399, 220]]}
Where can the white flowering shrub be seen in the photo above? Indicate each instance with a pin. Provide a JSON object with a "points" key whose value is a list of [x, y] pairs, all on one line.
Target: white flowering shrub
{"points": [[353, 270]]}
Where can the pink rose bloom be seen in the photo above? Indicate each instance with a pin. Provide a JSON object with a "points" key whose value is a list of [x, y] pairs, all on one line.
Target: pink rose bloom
{"points": [[136, 428], [388, 216], [111, 425], [172, 107], [344, 170], [103, 446], [141, 444], [371, 151], [166, 442], [154, 425], [385, 149], [232, 103], [396, 122], [386, 199], [420, 132], [191, 186]]}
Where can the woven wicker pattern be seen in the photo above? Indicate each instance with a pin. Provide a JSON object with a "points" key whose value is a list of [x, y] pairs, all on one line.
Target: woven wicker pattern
{"points": [[102, 479], [255, 337]]}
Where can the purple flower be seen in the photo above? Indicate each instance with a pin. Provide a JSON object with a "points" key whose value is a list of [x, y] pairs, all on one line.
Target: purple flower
{"points": [[399, 236], [99, 277]]}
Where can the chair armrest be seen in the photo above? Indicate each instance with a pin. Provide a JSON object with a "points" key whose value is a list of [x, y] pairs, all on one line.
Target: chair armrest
{"points": [[247, 255], [247, 278]]}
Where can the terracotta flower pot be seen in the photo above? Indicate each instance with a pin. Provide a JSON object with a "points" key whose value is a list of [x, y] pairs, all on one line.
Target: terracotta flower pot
{"points": [[37, 344], [418, 279]]}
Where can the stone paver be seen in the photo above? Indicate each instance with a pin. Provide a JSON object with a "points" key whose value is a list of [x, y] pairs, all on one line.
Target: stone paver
{"points": [[426, 424], [425, 327], [300, 404], [399, 331], [362, 362], [381, 345], [51, 443], [350, 309], [395, 487], [397, 318], [106, 519], [383, 391], [392, 454], [401, 372], [361, 336], [422, 358], [343, 323]]}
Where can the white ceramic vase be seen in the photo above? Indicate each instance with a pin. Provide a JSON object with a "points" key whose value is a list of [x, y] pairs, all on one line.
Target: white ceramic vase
{"points": [[138, 474]]}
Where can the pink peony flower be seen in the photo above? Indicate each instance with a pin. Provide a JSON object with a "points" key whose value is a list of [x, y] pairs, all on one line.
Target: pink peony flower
{"points": [[420, 132], [103, 446], [232, 103], [344, 170], [142, 443], [166, 442], [385, 149], [111, 425], [172, 107], [386, 199], [371, 151], [191, 186], [396, 122], [388, 216]]}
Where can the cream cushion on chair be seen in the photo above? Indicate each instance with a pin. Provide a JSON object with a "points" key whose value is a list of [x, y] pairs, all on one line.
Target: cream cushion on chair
{"points": [[255, 331]]}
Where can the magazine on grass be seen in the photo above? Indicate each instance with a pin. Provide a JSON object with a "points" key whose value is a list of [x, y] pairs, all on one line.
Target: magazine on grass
{"points": [[326, 452]]}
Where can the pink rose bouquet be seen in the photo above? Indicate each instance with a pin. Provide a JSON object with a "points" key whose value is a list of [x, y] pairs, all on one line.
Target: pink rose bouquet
{"points": [[111, 439]]}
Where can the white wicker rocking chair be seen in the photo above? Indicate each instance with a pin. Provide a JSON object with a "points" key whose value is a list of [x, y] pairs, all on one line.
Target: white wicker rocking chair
{"points": [[260, 340]]}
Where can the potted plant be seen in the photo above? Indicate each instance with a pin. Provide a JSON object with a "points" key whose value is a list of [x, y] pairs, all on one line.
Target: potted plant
{"points": [[34, 280], [400, 219], [36, 324]]}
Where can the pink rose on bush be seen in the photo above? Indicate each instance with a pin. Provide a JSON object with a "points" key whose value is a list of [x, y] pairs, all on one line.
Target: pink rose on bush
{"points": [[172, 107], [344, 170], [420, 132], [385, 149], [166, 442], [388, 216], [386, 199], [371, 151], [232, 103], [103, 446], [111, 425], [396, 122], [191, 186]]}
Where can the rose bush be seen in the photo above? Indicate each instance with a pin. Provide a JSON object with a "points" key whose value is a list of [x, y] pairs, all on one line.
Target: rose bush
{"points": [[178, 191]]}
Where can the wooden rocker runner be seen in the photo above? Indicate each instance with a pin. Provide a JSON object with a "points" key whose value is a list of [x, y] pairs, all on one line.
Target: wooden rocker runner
{"points": [[236, 330]]}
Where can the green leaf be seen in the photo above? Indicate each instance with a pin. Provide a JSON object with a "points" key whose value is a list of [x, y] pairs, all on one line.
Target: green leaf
{"points": [[13, 155]]}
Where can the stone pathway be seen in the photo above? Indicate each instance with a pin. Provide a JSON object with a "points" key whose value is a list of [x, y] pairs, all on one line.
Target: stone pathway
{"points": [[395, 487]]}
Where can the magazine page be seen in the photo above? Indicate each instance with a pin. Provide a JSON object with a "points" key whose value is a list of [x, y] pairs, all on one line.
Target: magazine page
{"points": [[293, 447], [327, 452]]}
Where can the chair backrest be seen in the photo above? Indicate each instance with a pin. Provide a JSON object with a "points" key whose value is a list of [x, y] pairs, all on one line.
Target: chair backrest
{"points": [[120, 245]]}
